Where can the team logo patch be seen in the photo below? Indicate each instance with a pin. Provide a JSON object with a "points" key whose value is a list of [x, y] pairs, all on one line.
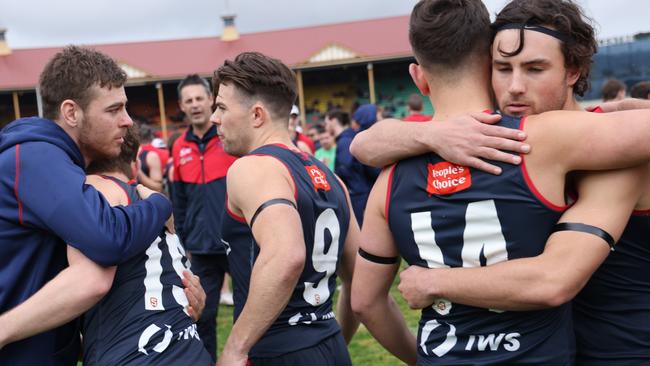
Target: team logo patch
{"points": [[318, 178], [447, 178]]}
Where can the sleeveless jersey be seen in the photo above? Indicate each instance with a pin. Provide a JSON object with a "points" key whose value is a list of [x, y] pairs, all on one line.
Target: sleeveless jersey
{"points": [[323, 208], [444, 215], [612, 313], [142, 319]]}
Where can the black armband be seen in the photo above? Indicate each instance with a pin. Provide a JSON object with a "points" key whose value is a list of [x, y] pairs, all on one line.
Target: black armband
{"points": [[377, 259], [589, 229], [275, 201]]}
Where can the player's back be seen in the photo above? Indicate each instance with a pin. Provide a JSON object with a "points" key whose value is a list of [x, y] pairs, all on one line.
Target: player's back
{"points": [[444, 215], [322, 205], [142, 320], [615, 304]]}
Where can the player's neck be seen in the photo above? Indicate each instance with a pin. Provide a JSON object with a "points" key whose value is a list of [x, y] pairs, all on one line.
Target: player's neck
{"points": [[465, 96], [572, 104], [272, 136]]}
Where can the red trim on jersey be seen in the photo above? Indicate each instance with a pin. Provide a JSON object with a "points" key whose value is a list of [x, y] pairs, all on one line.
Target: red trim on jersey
{"points": [[295, 187], [128, 198], [132, 182], [232, 214], [641, 212], [16, 180], [530, 183], [388, 190], [303, 154]]}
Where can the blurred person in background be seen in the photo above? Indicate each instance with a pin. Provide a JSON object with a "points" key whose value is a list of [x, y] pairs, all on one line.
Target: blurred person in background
{"points": [[613, 90], [303, 142], [640, 90], [415, 108], [199, 193], [327, 152]]}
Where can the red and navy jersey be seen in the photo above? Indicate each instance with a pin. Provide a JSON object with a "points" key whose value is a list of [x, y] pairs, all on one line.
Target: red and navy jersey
{"points": [[142, 320], [163, 155], [322, 204], [444, 215], [199, 190], [614, 306]]}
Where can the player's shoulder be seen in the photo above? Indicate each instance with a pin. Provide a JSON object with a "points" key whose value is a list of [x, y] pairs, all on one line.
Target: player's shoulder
{"points": [[113, 193]]}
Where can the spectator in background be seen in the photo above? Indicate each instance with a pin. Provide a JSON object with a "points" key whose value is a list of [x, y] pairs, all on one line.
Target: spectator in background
{"points": [[327, 152], [365, 116], [303, 142], [415, 107], [613, 90], [641, 90], [314, 135], [150, 171], [200, 166], [354, 174]]}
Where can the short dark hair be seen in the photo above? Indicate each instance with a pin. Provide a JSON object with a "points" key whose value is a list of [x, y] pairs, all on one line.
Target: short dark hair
{"points": [[121, 163], [145, 134], [640, 90], [319, 128], [445, 33], [414, 102], [339, 115], [193, 79], [564, 16], [611, 88], [71, 74], [257, 75]]}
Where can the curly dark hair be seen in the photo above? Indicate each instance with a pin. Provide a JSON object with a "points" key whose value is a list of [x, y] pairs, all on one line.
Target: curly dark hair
{"points": [[72, 73], [260, 76], [564, 16]]}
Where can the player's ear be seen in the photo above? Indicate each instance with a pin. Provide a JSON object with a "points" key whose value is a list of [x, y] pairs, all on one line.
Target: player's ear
{"points": [[420, 80], [70, 112], [259, 115], [572, 76]]}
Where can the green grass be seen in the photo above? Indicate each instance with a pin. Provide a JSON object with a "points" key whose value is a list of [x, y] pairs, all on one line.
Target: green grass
{"points": [[364, 349]]}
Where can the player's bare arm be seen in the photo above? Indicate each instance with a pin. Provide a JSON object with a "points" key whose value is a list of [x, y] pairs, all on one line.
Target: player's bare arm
{"points": [[155, 179], [344, 314], [573, 140], [278, 233], [371, 283], [464, 140], [555, 276]]}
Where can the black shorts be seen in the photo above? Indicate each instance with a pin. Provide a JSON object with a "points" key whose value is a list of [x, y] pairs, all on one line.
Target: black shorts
{"points": [[331, 352]]}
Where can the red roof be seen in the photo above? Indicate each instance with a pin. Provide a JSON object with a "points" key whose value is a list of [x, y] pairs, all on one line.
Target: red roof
{"points": [[377, 38]]}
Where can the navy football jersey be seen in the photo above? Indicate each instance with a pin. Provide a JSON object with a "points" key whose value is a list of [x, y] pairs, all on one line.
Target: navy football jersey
{"points": [[444, 215], [612, 313], [322, 205], [142, 320]]}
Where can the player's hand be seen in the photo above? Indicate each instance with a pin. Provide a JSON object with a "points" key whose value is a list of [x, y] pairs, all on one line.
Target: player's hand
{"points": [[414, 288], [229, 358], [144, 192], [169, 225], [195, 295], [470, 140]]}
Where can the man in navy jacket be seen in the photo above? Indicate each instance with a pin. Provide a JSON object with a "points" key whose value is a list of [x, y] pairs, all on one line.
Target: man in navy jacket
{"points": [[45, 204]]}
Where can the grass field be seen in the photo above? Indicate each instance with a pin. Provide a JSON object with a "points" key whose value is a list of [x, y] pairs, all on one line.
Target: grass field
{"points": [[364, 349]]}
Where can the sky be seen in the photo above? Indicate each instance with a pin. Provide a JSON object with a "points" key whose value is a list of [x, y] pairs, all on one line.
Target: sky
{"points": [[43, 23]]}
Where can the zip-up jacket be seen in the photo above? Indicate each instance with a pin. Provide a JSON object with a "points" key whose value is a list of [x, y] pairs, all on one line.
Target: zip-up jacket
{"points": [[44, 204], [200, 167]]}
